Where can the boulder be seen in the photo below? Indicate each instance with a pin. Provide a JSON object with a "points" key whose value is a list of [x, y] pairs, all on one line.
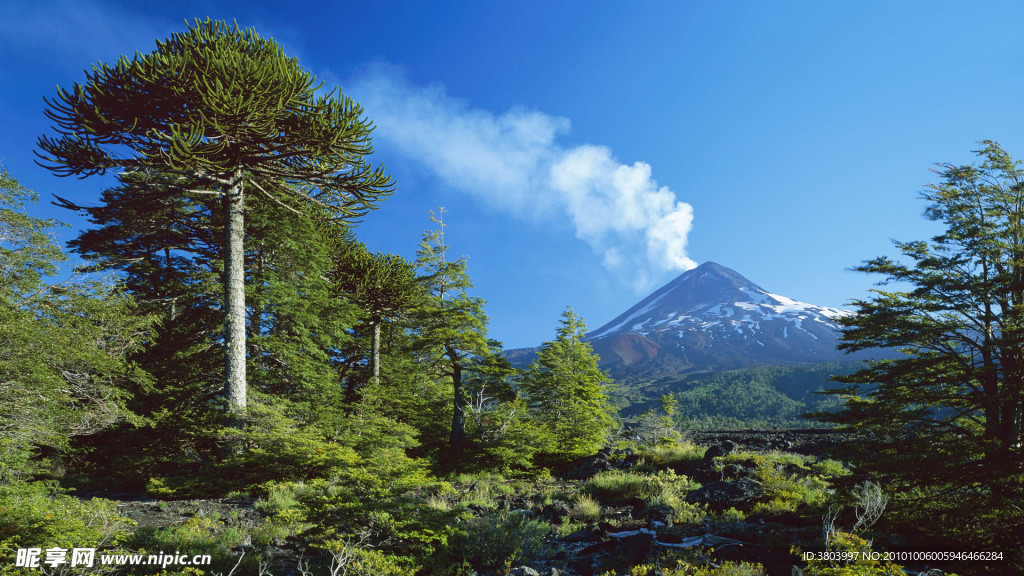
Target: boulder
{"points": [[555, 512], [741, 494], [592, 466], [720, 449]]}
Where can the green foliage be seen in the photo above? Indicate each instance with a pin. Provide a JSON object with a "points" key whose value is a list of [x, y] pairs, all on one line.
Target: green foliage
{"points": [[504, 539], [761, 397], [38, 515], [64, 368], [617, 487], [210, 112], [586, 508], [852, 558], [568, 393], [451, 325], [508, 436], [944, 420], [212, 101], [691, 563], [355, 560], [677, 455], [203, 534], [789, 485]]}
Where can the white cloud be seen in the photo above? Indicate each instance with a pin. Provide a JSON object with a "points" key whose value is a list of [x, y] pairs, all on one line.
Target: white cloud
{"points": [[513, 161]]}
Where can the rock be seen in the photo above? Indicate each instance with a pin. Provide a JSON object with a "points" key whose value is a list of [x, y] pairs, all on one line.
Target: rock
{"points": [[741, 494], [523, 571], [664, 515], [554, 512], [629, 462], [582, 535], [637, 507], [592, 466], [635, 549], [583, 565], [514, 502], [774, 563], [721, 449], [739, 470]]}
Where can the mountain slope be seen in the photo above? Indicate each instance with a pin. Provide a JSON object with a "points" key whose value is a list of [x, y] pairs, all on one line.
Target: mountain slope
{"points": [[710, 319]]}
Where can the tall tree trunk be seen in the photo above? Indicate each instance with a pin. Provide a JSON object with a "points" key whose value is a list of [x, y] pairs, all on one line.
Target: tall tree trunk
{"points": [[234, 298], [457, 439], [375, 352]]}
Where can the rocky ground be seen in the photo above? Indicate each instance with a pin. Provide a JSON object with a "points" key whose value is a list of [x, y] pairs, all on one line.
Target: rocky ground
{"points": [[627, 534]]}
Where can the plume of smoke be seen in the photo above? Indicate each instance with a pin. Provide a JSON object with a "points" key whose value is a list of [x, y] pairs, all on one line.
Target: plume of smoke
{"points": [[513, 161]]}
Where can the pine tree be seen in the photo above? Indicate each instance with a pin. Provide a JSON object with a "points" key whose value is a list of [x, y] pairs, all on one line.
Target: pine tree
{"points": [[567, 392], [225, 112], [382, 285]]}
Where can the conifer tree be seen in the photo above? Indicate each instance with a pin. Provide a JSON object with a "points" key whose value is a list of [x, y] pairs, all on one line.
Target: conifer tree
{"points": [[452, 325], [227, 113], [382, 285], [568, 392]]}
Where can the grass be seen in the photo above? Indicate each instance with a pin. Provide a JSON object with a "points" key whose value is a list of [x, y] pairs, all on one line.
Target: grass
{"points": [[616, 486], [792, 482], [586, 508], [675, 455]]}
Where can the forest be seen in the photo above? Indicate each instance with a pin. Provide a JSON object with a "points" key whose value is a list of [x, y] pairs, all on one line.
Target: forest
{"points": [[230, 373]]}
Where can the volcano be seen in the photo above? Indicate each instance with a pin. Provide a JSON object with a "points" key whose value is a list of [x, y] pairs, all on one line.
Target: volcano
{"points": [[711, 318]]}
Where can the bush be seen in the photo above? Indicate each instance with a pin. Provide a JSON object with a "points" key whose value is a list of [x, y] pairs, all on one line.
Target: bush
{"points": [[674, 455], [692, 563], [504, 539], [351, 559], [789, 485], [38, 515], [844, 544], [616, 487]]}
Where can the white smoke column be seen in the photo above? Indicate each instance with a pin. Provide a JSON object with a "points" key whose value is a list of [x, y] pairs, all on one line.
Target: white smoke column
{"points": [[512, 161]]}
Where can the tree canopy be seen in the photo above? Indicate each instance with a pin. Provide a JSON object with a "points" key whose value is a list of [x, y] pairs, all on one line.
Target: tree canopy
{"points": [[63, 366], [946, 416], [217, 110]]}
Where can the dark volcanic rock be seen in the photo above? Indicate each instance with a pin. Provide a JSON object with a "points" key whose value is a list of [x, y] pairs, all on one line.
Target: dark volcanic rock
{"points": [[554, 512], [718, 450], [741, 494]]}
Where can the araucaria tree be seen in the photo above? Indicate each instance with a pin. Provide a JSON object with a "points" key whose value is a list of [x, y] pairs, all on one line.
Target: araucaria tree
{"points": [[947, 414], [220, 111]]}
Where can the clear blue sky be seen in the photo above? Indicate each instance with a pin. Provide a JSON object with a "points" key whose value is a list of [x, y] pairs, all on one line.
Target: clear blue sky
{"points": [[588, 152]]}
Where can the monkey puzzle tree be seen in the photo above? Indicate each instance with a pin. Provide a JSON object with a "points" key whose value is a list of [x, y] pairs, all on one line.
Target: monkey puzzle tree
{"points": [[228, 112], [382, 285]]}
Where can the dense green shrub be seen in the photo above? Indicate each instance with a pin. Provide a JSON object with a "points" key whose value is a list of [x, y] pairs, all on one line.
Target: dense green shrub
{"points": [[38, 515], [858, 563], [503, 539], [617, 487]]}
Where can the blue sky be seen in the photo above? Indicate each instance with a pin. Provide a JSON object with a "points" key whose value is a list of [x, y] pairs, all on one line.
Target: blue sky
{"points": [[588, 152]]}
